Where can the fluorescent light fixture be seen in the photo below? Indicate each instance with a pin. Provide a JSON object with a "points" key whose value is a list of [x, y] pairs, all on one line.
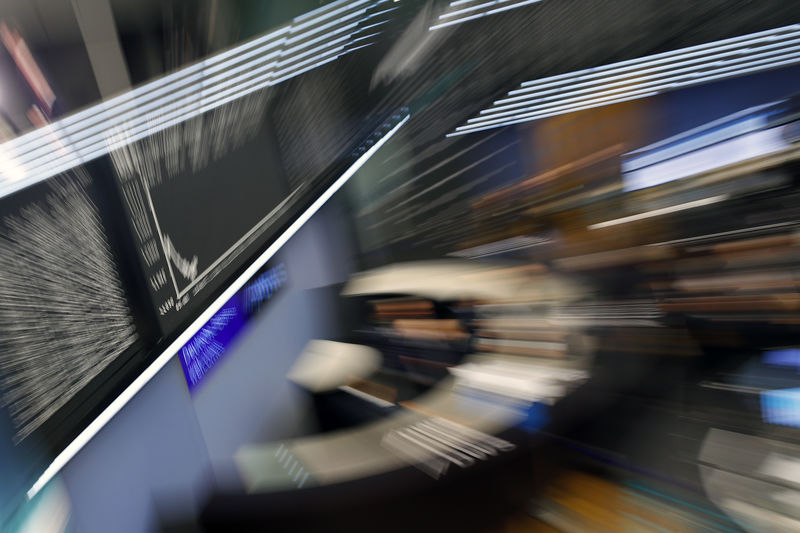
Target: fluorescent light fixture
{"points": [[267, 60], [305, 35], [535, 112], [471, 8], [360, 47], [347, 6], [119, 402], [368, 26], [649, 88], [322, 12], [641, 77], [741, 43], [659, 212], [480, 14], [645, 74], [560, 111]]}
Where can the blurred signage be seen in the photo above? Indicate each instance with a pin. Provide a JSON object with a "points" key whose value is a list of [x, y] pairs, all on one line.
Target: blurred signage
{"points": [[202, 352]]}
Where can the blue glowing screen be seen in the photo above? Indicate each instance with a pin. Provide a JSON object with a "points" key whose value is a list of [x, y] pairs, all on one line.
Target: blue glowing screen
{"points": [[781, 407], [785, 357], [199, 355]]}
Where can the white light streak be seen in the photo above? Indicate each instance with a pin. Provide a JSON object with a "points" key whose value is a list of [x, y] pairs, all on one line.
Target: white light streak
{"points": [[480, 14], [471, 8], [647, 90], [650, 85], [742, 42], [641, 77], [302, 36], [644, 73], [659, 212], [560, 111]]}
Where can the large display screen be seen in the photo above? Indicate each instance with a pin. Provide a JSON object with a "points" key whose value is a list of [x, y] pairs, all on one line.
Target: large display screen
{"points": [[197, 200], [63, 312]]}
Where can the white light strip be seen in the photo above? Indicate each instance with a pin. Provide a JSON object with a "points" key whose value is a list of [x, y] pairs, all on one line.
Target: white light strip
{"points": [[721, 70], [483, 14], [368, 26], [613, 71], [321, 11], [553, 114], [297, 66], [316, 29], [104, 111], [87, 138], [689, 75], [672, 55], [658, 71], [119, 402], [322, 37], [795, 58], [566, 108], [159, 123], [471, 8], [659, 212], [316, 20], [378, 13], [360, 47]]}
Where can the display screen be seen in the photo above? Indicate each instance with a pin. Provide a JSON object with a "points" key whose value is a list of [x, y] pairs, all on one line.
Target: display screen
{"points": [[197, 205], [748, 134], [63, 311], [208, 346]]}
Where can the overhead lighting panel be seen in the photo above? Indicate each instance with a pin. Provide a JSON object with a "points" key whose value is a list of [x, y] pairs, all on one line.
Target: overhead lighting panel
{"points": [[641, 77], [465, 10], [308, 42]]}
